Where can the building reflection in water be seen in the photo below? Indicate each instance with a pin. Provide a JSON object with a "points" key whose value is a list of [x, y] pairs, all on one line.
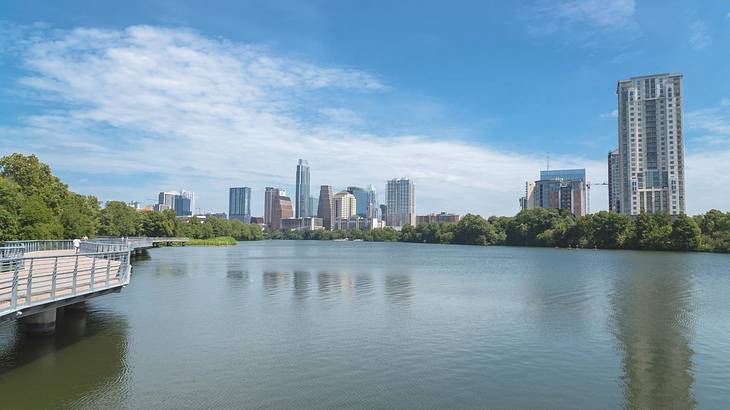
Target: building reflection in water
{"points": [[399, 289], [85, 361], [328, 284], [364, 286], [274, 282], [302, 282], [652, 322]]}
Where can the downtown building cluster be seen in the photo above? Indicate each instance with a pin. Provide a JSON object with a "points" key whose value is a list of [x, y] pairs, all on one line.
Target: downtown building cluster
{"points": [[352, 208], [645, 172]]}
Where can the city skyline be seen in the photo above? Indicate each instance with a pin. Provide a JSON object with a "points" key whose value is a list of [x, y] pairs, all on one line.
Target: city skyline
{"points": [[189, 94]]}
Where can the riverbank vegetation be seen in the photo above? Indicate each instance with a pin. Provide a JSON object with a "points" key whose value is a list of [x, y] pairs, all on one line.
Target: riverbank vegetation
{"points": [[556, 228], [217, 241], [35, 204]]}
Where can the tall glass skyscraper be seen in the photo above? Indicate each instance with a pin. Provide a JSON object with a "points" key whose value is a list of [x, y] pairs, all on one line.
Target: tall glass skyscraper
{"points": [[325, 209], [372, 205], [239, 204], [301, 198], [361, 196]]}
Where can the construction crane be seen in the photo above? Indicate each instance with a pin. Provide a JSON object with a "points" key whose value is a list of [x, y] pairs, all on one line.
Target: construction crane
{"points": [[588, 193]]}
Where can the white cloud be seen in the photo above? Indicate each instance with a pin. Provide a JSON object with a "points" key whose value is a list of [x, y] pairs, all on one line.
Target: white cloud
{"points": [[612, 114], [725, 102], [205, 114], [583, 20], [700, 36]]}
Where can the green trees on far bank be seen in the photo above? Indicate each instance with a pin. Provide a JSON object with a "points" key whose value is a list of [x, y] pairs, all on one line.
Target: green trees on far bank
{"points": [[557, 228]]}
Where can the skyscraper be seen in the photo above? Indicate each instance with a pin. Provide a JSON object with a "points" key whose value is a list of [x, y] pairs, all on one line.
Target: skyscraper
{"points": [[614, 182], [361, 196], [191, 196], [651, 144], [401, 202], [345, 205], [239, 204], [166, 200], [372, 208], [270, 211], [302, 189], [326, 206], [281, 209]]}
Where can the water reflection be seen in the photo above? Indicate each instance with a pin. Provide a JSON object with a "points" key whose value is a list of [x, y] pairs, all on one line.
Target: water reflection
{"points": [[275, 281], [84, 362], [652, 321], [399, 289], [302, 282], [327, 283]]}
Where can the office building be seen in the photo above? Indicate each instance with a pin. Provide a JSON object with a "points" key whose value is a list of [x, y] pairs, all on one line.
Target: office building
{"points": [[166, 200], [239, 204], [383, 212], [345, 205], [191, 197], [614, 181], [358, 222], [559, 189], [361, 198], [258, 220], [181, 203], [313, 205], [269, 194], [281, 209], [651, 144], [302, 190], [400, 202], [325, 208], [302, 224], [436, 218]]}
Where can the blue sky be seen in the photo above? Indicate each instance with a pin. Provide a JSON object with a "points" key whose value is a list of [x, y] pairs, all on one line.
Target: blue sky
{"points": [[128, 99]]}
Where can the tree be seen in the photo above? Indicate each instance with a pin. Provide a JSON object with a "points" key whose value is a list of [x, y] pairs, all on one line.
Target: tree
{"points": [[686, 234], [118, 219], [653, 232], [474, 230]]}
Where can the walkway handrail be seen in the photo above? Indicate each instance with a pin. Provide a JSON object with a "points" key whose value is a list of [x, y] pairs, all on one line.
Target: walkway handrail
{"points": [[38, 280], [12, 250], [43, 245]]}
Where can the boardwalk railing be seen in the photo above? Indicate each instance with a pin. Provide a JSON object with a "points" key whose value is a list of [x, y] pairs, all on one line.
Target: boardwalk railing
{"points": [[44, 279], [41, 245]]}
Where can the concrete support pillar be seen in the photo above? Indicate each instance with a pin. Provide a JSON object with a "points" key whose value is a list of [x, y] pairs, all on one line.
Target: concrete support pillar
{"points": [[76, 306], [43, 323]]}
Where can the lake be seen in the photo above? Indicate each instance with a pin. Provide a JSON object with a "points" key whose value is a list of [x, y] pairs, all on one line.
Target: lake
{"points": [[295, 324]]}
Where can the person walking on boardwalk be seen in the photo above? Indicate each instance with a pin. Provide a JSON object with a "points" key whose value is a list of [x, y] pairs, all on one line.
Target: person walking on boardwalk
{"points": [[77, 245]]}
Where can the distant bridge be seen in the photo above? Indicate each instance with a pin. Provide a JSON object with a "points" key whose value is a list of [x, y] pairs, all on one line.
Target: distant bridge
{"points": [[36, 277]]}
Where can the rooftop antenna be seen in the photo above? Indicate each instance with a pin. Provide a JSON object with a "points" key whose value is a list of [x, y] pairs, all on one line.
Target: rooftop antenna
{"points": [[548, 161]]}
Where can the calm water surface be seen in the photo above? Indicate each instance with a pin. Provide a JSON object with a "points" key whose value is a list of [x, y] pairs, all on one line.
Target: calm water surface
{"points": [[289, 324]]}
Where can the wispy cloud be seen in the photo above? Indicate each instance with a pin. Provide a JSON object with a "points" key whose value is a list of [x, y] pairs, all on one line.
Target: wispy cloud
{"points": [[699, 35], [185, 110], [583, 20], [612, 114]]}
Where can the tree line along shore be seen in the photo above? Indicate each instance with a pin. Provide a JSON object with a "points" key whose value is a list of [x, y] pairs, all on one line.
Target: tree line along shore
{"points": [[35, 204]]}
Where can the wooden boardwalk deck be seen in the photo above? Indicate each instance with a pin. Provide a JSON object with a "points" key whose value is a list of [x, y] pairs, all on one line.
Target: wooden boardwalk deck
{"points": [[75, 275]]}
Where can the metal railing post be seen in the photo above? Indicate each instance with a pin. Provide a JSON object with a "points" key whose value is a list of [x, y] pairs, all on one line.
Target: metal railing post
{"points": [[53, 278], [14, 290], [29, 283], [76, 273], [108, 267]]}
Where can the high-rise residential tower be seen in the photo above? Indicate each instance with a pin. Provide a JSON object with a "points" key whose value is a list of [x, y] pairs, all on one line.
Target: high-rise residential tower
{"points": [[614, 182], [651, 144], [345, 205], [301, 198], [239, 204], [400, 203], [325, 207]]}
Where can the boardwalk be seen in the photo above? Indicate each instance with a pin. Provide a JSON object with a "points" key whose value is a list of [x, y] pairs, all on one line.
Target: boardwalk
{"points": [[46, 276], [39, 276]]}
